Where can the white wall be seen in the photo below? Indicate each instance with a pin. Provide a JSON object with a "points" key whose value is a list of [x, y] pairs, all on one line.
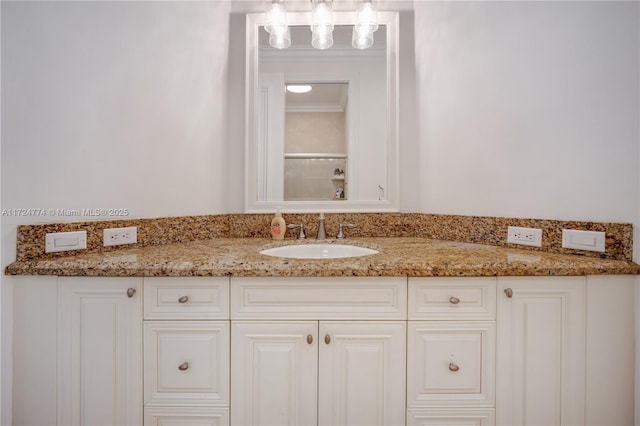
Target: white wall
{"points": [[110, 104], [115, 104], [529, 109]]}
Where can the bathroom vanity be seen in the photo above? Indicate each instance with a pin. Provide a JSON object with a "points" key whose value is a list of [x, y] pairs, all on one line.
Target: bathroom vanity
{"points": [[306, 342]]}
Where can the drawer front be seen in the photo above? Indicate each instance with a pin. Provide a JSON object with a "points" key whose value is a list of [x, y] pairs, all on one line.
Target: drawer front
{"points": [[319, 298], [451, 363], [456, 417], [186, 298], [452, 298], [173, 416], [186, 363]]}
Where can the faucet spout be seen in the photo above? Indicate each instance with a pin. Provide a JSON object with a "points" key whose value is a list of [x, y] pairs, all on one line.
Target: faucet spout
{"points": [[321, 232], [301, 234]]}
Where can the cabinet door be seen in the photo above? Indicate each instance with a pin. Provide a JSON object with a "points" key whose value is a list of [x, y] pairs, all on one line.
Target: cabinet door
{"points": [[100, 351], [274, 372], [362, 373], [541, 351], [451, 363], [186, 363]]}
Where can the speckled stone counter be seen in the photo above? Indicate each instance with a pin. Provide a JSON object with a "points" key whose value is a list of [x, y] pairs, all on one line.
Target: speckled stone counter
{"points": [[398, 256], [468, 229]]}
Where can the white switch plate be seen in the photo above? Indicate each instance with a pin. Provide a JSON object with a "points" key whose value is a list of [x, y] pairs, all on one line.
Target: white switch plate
{"points": [[583, 240], [524, 236], [120, 236], [65, 241]]}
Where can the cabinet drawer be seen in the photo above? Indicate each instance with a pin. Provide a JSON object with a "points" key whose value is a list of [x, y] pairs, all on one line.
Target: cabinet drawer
{"points": [[451, 364], [319, 298], [452, 298], [172, 416], [186, 363], [456, 417], [186, 298]]}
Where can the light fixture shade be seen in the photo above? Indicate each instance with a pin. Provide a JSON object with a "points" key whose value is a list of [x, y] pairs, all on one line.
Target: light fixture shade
{"points": [[322, 38], [362, 38], [280, 40], [321, 24], [321, 16], [367, 17], [275, 21]]}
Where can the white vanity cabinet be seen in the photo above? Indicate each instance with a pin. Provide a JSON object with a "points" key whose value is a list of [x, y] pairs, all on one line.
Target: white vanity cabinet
{"points": [[541, 355], [77, 351], [275, 372], [99, 356], [565, 350], [520, 350], [328, 351], [186, 351], [310, 372], [451, 351]]}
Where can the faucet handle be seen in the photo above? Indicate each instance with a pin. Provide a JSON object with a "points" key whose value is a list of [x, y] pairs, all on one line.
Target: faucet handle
{"points": [[341, 235], [301, 235]]}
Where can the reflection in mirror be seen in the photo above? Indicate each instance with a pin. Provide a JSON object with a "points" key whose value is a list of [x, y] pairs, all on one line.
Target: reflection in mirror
{"points": [[315, 142], [333, 147]]}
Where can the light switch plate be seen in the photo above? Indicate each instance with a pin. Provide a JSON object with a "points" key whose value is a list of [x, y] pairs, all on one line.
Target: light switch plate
{"points": [[583, 240], [65, 241]]}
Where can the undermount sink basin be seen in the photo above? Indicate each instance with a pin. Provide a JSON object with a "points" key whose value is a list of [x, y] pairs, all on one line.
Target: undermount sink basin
{"points": [[318, 251]]}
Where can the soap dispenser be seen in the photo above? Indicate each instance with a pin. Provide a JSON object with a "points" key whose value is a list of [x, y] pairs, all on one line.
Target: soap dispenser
{"points": [[278, 226]]}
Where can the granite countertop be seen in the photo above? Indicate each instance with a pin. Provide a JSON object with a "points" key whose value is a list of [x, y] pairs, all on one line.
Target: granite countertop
{"points": [[399, 256]]}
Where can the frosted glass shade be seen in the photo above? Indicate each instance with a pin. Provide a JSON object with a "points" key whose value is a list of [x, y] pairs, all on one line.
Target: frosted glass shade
{"points": [[280, 40]]}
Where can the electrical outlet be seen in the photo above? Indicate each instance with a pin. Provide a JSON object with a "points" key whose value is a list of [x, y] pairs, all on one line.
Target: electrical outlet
{"points": [[120, 236], [524, 236]]}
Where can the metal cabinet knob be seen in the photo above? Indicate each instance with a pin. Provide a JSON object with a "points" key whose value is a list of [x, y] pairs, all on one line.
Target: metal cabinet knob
{"points": [[508, 292], [131, 292], [309, 339], [183, 299], [184, 366], [453, 367], [327, 339], [454, 300]]}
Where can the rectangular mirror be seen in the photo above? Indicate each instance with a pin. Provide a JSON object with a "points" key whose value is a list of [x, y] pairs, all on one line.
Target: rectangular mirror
{"points": [[315, 141], [333, 148]]}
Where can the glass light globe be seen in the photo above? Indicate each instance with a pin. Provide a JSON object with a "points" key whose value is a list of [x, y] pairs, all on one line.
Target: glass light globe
{"points": [[276, 21], [280, 40], [362, 38]]}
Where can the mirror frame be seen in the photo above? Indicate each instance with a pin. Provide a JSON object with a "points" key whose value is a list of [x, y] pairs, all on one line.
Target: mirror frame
{"points": [[252, 205]]}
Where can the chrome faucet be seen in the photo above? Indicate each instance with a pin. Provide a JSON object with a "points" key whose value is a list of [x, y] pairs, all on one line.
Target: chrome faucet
{"points": [[321, 233], [341, 235], [301, 234]]}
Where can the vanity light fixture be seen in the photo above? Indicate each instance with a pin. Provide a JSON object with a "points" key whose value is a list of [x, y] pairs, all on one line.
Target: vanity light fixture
{"points": [[366, 23], [298, 88], [276, 24], [321, 24]]}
